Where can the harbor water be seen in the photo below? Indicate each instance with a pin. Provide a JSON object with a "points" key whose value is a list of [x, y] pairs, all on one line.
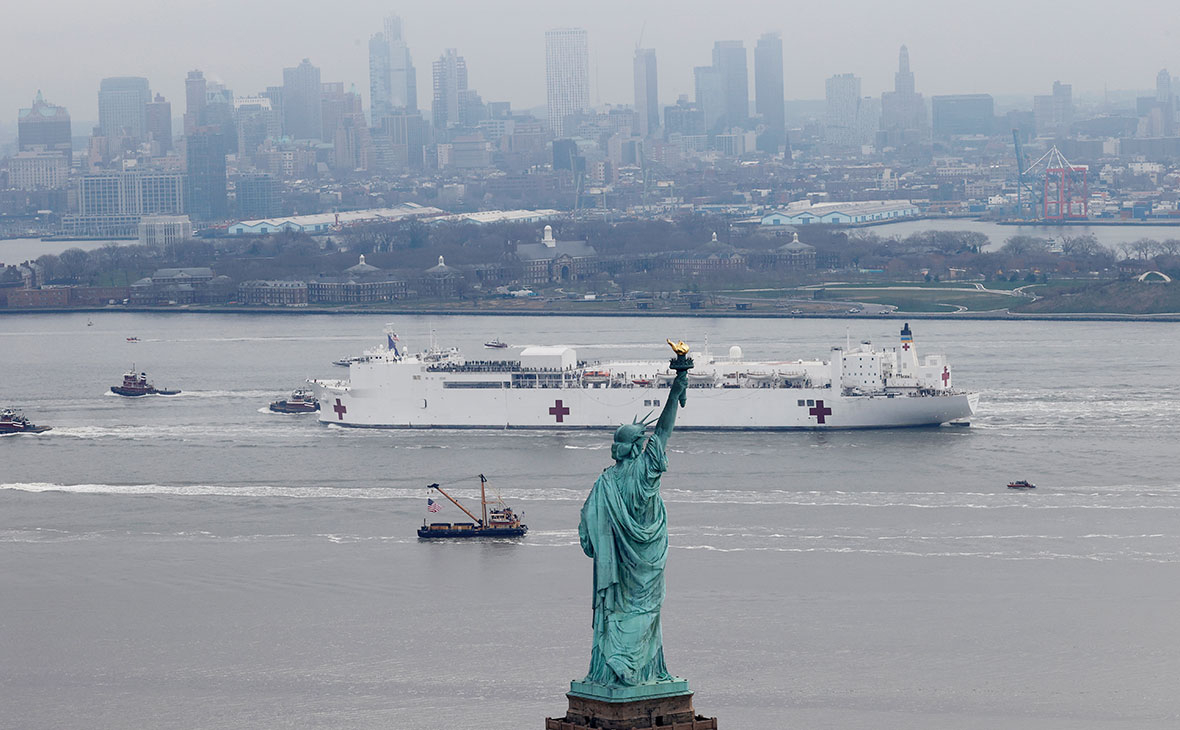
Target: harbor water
{"points": [[196, 561]]}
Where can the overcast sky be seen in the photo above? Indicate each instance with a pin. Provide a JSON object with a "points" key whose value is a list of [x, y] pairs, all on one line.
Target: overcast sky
{"points": [[64, 47]]}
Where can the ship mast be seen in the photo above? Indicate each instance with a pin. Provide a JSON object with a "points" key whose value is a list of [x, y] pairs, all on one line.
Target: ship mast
{"points": [[440, 491], [483, 498]]}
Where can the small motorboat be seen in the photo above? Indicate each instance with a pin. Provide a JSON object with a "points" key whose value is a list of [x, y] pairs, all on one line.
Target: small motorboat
{"points": [[136, 384], [300, 401], [496, 344], [12, 422], [1021, 484], [642, 382], [133, 339]]}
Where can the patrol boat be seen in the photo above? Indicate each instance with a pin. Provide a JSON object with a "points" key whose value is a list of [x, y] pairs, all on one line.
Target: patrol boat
{"points": [[499, 521], [551, 388]]}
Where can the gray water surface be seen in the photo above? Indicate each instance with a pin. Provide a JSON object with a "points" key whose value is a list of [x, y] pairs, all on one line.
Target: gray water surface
{"points": [[198, 562]]}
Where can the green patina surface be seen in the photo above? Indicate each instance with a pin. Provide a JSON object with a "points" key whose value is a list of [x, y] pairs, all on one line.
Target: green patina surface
{"points": [[623, 528]]}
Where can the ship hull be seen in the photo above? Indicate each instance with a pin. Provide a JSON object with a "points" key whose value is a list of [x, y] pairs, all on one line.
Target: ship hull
{"points": [[442, 534], [707, 409]]}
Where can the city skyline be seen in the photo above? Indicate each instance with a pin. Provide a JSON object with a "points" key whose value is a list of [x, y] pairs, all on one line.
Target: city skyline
{"points": [[511, 65]]}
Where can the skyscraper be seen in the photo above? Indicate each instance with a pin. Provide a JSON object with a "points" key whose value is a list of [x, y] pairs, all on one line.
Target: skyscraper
{"points": [[122, 107], [403, 86], [710, 97], [647, 101], [843, 105], [380, 80], [194, 101], [450, 90], [336, 104], [567, 74], [393, 80], [44, 126], [902, 109], [302, 106], [205, 175], [729, 58], [159, 124], [768, 91]]}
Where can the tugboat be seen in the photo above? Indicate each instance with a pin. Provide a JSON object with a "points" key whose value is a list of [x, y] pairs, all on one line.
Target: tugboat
{"points": [[500, 521], [496, 344], [13, 422], [136, 384], [1021, 484], [300, 401]]}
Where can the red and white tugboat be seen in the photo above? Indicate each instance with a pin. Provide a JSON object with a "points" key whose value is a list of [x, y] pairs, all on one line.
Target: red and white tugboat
{"points": [[300, 401], [136, 384], [13, 422], [499, 521]]}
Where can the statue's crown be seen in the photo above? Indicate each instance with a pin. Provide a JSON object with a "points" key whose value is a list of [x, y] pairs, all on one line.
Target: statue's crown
{"points": [[628, 432]]}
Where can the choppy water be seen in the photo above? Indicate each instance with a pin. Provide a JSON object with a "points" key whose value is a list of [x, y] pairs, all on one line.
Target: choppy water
{"points": [[198, 562]]}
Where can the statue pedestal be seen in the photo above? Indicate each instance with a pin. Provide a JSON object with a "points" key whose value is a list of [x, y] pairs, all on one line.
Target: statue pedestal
{"points": [[668, 706]]}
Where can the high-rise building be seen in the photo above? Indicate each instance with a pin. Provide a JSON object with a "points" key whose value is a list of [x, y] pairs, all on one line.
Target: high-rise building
{"points": [[132, 193], [256, 121], [256, 196], [159, 124], [205, 175], [302, 105], [963, 114], [647, 100], [336, 104], [842, 113], [729, 58], [450, 90], [1053, 113], [194, 101], [380, 79], [683, 118], [768, 91], [903, 109], [44, 126], [710, 97], [567, 74], [403, 86], [122, 107]]}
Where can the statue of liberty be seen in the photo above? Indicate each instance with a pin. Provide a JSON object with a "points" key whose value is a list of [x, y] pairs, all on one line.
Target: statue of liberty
{"points": [[624, 529]]}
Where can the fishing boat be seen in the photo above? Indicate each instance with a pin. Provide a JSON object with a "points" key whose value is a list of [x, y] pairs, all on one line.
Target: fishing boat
{"points": [[499, 521], [136, 384], [300, 401], [1021, 484], [496, 344], [13, 421]]}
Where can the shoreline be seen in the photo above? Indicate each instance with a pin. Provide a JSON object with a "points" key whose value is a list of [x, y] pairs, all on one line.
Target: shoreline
{"points": [[425, 312]]}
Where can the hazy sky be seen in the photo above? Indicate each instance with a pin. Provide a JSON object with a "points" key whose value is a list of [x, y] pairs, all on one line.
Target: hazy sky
{"points": [[1004, 46]]}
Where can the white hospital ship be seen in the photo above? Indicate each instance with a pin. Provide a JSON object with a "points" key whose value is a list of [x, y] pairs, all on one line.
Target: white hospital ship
{"points": [[550, 388]]}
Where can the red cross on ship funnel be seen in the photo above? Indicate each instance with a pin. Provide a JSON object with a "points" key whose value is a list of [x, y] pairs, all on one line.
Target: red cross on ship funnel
{"points": [[946, 376]]}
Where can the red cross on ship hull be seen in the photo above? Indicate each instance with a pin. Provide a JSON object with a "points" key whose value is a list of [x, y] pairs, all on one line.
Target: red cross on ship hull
{"points": [[559, 410], [820, 412]]}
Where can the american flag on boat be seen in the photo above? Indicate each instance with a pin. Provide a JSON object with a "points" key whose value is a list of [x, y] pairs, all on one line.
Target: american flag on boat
{"points": [[432, 506]]}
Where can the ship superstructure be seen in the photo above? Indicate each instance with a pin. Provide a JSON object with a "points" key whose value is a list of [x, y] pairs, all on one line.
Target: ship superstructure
{"points": [[550, 388]]}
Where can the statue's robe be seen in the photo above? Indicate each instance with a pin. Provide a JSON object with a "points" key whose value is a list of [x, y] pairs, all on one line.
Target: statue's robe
{"points": [[624, 529]]}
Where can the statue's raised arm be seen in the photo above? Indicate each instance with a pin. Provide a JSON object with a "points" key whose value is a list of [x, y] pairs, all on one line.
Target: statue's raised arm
{"points": [[677, 396]]}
